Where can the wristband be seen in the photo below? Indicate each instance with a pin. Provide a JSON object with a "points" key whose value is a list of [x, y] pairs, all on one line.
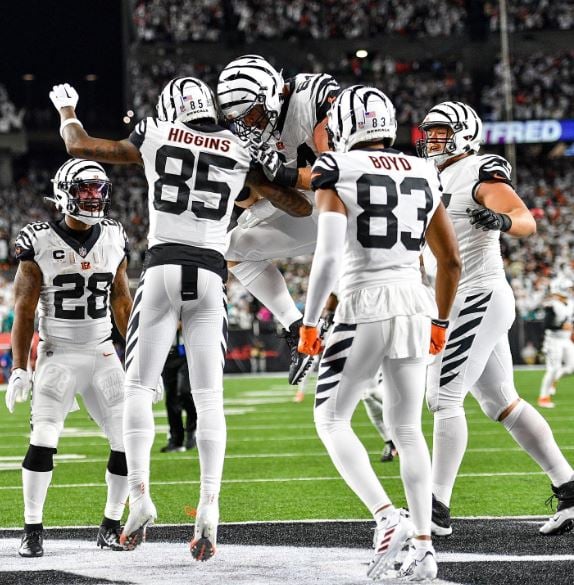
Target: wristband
{"points": [[67, 123], [286, 177], [506, 222], [443, 323]]}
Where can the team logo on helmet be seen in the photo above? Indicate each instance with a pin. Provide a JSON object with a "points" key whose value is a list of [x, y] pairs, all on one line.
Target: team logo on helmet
{"points": [[186, 99]]}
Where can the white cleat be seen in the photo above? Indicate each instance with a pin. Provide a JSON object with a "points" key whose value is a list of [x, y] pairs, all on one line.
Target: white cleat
{"points": [[419, 565], [142, 514], [204, 543], [560, 523], [390, 536]]}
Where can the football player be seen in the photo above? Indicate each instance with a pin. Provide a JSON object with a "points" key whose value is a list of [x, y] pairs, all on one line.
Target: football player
{"points": [[195, 170], [73, 271], [482, 203], [376, 207], [285, 123], [558, 346]]}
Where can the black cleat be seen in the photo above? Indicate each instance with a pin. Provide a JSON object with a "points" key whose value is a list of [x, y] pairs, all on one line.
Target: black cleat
{"points": [[300, 362], [109, 537], [563, 520], [389, 452], [32, 544], [172, 448], [441, 523]]}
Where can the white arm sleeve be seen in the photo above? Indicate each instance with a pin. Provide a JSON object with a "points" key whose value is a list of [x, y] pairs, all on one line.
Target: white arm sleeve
{"points": [[331, 234]]}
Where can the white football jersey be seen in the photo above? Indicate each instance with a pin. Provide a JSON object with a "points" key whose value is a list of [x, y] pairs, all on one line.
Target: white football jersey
{"points": [[77, 277], [558, 313], [194, 173], [309, 100], [390, 199], [479, 250]]}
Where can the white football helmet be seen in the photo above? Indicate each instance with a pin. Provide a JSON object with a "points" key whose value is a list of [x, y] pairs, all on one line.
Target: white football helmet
{"points": [[361, 114], [244, 83], [82, 190], [186, 99], [465, 126]]}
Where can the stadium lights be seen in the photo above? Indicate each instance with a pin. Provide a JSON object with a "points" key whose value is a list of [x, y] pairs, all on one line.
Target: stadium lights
{"points": [[362, 53], [91, 77], [28, 77]]}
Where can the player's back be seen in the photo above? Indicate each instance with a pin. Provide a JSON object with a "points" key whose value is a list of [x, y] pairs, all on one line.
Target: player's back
{"points": [[390, 198], [194, 173], [76, 279]]}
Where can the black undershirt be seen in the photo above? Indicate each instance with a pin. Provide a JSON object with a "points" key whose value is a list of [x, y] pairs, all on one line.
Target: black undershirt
{"points": [[79, 235]]}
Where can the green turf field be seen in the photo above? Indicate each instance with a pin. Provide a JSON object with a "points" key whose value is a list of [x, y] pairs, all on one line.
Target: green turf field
{"points": [[276, 468]]}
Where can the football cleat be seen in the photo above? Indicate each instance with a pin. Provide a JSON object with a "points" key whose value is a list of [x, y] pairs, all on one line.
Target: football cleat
{"points": [[389, 452], [172, 448], [109, 537], [441, 523], [419, 565], [300, 362], [32, 543], [563, 520], [546, 402], [142, 514], [204, 543], [390, 536]]}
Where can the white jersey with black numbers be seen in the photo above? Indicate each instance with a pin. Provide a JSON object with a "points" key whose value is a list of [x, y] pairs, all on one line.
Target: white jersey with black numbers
{"points": [[482, 265], [74, 305], [309, 100], [194, 173], [390, 199]]}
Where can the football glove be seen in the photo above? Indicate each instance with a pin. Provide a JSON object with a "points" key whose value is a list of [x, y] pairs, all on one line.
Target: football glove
{"points": [[18, 389], [438, 335], [159, 392], [309, 340], [272, 165], [255, 214], [489, 220], [64, 95]]}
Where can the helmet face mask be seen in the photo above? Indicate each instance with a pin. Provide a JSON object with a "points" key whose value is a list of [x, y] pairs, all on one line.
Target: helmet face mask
{"points": [[82, 190], [360, 114], [249, 92], [465, 132], [186, 99]]}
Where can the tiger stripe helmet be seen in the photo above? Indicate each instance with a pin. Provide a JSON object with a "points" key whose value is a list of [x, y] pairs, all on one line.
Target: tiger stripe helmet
{"points": [[186, 99]]}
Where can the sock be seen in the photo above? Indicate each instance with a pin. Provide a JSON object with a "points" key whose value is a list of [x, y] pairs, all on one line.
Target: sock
{"points": [[380, 515], [117, 495], [139, 433], [531, 431], [449, 444], [35, 487], [422, 544], [109, 523], [545, 388], [211, 437], [264, 281]]}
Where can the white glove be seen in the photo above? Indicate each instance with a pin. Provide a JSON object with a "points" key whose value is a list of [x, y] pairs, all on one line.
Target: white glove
{"points": [[18, 389], [255, 214], [64, 95], [267, 157], [159, 392]]}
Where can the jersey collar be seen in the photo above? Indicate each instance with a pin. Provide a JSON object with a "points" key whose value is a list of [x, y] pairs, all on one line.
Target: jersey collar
{"points": [[83, 249]]}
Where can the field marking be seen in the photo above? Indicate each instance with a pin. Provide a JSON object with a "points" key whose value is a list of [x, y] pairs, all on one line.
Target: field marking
{"points": [[258, 480]]}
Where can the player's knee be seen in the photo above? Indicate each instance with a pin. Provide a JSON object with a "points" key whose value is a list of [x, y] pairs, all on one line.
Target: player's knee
{"points": [[39, 458], [46, 430], [135, 390], [496, 404], [247, 272], [109, 385], [117, 463], [447, 410], [406, 435]]}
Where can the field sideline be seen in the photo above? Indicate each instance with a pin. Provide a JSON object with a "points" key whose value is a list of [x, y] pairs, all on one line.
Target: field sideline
{"points": [[276, 468]]}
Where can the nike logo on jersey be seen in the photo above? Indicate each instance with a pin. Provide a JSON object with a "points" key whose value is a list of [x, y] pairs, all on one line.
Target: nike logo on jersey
{"points": [[108, 354]]}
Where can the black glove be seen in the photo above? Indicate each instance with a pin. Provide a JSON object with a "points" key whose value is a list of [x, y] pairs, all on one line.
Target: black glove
{"points": [[489, 220]]}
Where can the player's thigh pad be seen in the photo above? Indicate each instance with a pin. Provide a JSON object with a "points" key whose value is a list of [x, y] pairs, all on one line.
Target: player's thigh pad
{"points": [[478, 320], [282, 236]]}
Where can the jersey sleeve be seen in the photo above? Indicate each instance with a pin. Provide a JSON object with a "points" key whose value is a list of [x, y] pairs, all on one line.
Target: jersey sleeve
{"points": [[138, 135], [495, 168], [325, 172], [324, 90], [24, 244]]}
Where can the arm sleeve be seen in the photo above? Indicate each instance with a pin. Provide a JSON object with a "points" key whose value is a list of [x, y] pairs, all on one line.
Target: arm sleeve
{"points": [[138, 135], [23, 246], [325, 173], [326, 262]]}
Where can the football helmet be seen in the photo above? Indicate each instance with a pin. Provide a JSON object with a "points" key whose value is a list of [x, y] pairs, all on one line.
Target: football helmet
{"points": [[465, 131], [361, 114], [82, 190], [247, 82], [186, 99]]}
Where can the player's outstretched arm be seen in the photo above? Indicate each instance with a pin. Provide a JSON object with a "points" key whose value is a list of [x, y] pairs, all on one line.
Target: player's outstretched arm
{"points": [[500, 198], [79, 143], [121, 299], [288, 199], [27, 286], [441, 238]]}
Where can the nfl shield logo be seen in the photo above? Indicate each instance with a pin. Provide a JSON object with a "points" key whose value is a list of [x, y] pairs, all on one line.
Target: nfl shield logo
{"points": [[82, 251]]}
